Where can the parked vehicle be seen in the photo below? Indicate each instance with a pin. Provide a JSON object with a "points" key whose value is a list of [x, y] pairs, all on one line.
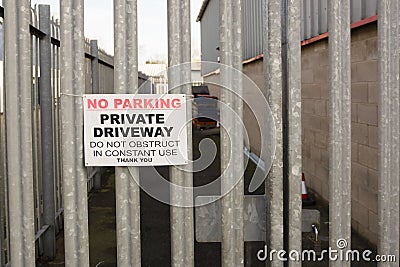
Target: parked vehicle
{"points": [[205, 112], [200, 90]]}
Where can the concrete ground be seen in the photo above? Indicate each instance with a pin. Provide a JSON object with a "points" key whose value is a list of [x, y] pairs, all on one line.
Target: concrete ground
{"points": [[155, 225]]}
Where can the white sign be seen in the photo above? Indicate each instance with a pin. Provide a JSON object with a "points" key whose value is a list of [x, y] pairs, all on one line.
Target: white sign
{"points": [[135, 130]]}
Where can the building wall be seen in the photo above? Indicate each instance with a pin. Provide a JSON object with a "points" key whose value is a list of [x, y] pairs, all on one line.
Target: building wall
{"points": [[315, 105], [255, 72], [314, 21], [252, 81], [314, 15], [196, 76], [210, 36], [315, 122]]}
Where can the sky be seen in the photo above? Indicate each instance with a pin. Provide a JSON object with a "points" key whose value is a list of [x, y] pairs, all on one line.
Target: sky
{"points": [[152, 26]]}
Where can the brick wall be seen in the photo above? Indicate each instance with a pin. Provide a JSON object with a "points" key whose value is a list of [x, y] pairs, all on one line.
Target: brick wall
{"points": [[364, 125]]}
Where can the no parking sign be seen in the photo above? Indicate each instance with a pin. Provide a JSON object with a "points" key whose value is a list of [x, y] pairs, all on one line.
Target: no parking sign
{"points": [[135, 130]]}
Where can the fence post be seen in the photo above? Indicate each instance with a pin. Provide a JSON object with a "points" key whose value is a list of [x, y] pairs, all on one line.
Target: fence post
{"points": [[56, 125], [388, 121], [73, 171], [18, 79], [182, 219], [272, 32], [339, 126], [3, 179], [126, 81], [94, 51], [2, 188], [293, 150], [46, 107], [232, 160]]}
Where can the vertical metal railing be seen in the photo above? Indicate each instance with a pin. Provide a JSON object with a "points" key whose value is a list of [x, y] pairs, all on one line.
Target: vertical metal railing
{"points": [[73, 172], [45, 132], [94, 50], [19, 132], [32, 126], [55, 69], [3, 175], [46, 108], [6, 215], [388, 194], [339, 126], [232, 142], [36, 127], [89, 60], [126, 81], [2, 197], [292, 83], [179, 78], [273, 90], [55, 37]]}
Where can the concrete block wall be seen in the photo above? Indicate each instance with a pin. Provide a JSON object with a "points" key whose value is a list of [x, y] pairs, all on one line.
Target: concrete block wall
{"points": [[315, 100]]}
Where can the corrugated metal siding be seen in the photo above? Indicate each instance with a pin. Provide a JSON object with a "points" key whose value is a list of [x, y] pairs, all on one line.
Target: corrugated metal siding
{"points": [[252, 32], [252, 28], [314, 16]]}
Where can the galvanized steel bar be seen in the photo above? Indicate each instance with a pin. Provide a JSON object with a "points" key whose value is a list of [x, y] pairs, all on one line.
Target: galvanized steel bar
{"points": [[72, 67], [126, 81], [2, 192], [94, 51], [285, 118], [46, 108], [388, 195], [272, 31], [18, 81], [56, 126], [232, 133], [59, 128], [36, 128], [293, 105], [339, 126], [4, 185], [179, 51]]}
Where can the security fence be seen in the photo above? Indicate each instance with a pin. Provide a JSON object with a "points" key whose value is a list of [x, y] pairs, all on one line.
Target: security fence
{"points": [[43, 127], [29, 216]]}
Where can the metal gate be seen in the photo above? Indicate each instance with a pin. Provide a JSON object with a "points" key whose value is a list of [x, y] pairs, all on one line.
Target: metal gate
{"points": [[55, 124]]}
